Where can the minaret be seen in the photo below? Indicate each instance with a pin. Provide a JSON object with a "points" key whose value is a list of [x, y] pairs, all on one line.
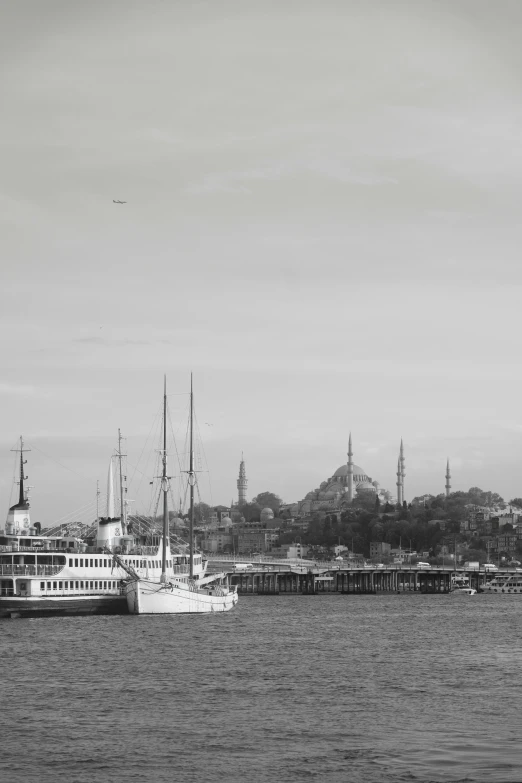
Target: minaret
{"points": [[242, 483], [350, 469], [448, 478], [403, 472], [399, 483]]}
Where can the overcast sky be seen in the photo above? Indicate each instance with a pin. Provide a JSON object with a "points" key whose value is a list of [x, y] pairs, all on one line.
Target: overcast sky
{"points": [[322, 223]]}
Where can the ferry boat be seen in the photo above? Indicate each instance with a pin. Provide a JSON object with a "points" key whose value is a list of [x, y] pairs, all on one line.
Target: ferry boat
{"points": [[46, 575], [172, 591], [503, 583]]}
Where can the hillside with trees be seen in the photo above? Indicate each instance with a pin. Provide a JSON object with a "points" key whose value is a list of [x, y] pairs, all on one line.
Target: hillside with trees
{"points": [[425, 525]]}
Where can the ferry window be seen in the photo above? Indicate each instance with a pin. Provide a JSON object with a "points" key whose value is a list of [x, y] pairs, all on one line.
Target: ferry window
{"points": [[81, 562], [48, 585], [54, 585], [60, 585], [96, 585], [91, 587], [76, 562], [81, 585], [42, 585], [70, 562], [76, 585], [105, 585], [96, 563], [91, 562], [66, 585]]}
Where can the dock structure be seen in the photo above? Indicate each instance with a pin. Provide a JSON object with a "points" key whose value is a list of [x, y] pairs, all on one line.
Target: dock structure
{"points": [[279, 578], [347, 582]]}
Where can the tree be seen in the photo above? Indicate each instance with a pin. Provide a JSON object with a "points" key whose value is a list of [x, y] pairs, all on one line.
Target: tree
{"points": [[268, 500], [201, 513], [251, 512], [517, 502], [481, 498]]}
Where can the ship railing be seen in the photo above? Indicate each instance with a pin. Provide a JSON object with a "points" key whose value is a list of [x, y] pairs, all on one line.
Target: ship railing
{"points": [[30, 570], [37, 548], [180, 569]]}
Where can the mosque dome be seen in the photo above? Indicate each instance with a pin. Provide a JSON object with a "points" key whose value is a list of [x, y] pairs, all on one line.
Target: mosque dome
{"points": [[343, 471], [226, 522], [366, 486], [266, 514]]}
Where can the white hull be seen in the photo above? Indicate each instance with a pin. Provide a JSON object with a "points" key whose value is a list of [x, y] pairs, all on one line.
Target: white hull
{"points": [[464, 591], [501, 589], [147, 597]]}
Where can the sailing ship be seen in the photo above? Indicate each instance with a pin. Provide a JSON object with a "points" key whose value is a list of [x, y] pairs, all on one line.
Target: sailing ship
{"points": [[176, 591]]}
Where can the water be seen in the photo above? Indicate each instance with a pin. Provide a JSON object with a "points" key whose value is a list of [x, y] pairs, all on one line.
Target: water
{"points": [[292, 688]]}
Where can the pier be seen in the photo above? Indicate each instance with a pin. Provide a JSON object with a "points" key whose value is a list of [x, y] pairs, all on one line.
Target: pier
{"points": [[280, 578]]}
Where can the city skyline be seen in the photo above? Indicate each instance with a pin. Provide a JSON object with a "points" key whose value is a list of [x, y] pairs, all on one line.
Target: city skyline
{"points": [[42, 466]]}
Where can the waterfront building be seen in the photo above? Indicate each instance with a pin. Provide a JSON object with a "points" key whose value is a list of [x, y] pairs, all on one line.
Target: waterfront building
{"points": [[379, 548]]}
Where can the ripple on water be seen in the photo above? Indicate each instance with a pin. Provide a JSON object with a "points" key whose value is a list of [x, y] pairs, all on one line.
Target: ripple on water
{"points": [[330, 688]]}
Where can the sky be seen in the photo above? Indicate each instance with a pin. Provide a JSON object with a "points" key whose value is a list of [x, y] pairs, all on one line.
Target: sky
{"points": [[322, 223]]}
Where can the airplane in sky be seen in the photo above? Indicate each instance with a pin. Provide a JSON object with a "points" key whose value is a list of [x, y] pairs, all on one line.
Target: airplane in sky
{"points": [[118, 202]]}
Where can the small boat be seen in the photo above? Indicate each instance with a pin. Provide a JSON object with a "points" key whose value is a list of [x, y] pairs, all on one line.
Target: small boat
{"points": [[464, 591], [460, 585], [172, 592]]}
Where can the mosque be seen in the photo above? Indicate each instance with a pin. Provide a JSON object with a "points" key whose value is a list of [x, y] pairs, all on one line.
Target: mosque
{"points": [[348, 483]]}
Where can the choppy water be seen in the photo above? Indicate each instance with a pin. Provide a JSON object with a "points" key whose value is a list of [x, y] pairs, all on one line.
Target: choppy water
{"points": [[291, 688]]}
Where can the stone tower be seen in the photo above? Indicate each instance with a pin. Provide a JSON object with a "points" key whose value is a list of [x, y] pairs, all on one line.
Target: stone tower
{"points": [[350, 470], [448, 478], [242, 483], [399, 483], [403, 471]]}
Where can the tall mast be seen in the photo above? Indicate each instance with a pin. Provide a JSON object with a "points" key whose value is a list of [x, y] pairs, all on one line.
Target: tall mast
{"points": [[22, 494], [22, 500], [122, 501], [97, 500], [165, 488], [192, 478]]}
